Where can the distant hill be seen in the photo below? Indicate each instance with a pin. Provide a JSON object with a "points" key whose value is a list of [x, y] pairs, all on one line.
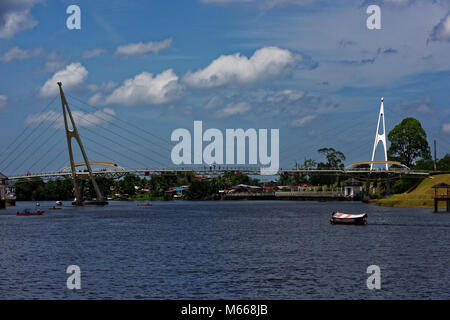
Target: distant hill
{"points": [[420, 197]]}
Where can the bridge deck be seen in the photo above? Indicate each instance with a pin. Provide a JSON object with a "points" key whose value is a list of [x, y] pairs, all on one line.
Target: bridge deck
{"points": [[217, 171]]}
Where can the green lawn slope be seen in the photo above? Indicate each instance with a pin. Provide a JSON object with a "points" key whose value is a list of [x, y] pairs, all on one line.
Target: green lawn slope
{"points": [[421, 197]]}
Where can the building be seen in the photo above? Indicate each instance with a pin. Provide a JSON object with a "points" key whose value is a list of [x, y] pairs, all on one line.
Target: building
{"points": [[352, 187]]}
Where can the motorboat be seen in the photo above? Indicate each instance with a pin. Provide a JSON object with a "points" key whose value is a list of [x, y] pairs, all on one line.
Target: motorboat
{"points": [[28, 212], [58, 203], [345, 218]]}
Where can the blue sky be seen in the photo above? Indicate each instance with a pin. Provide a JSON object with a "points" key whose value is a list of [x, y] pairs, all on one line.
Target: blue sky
{"points": [[310, 68]]}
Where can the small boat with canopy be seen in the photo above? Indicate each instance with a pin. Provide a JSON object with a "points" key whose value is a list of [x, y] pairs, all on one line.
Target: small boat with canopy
{"points": [[345, 218]]}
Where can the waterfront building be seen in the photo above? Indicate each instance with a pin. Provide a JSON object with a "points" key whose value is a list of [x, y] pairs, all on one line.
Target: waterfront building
{"points": [[352, 187]]}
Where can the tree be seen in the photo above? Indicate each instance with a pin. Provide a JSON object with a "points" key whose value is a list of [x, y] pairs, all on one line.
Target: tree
{"points": [[128, 183], [284, 179], [408, 142], [444, 163], [334, 158], [201, 190], [423, 164], [309, 164]]}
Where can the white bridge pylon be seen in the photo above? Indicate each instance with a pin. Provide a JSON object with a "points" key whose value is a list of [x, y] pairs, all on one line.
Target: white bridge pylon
{"points": [[380, 137]]}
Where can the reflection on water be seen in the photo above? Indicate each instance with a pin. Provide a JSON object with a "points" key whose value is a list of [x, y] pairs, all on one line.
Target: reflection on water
{"points": [[224, 250]]}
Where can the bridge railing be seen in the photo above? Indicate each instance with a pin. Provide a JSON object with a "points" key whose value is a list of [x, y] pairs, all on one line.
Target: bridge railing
{"points": [[206, 170]]}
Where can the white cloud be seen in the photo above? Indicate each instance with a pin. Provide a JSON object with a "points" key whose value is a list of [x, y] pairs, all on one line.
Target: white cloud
{"points": [[421, 106], [142, 48], [3, 100], [266, 4], [82, 119], [302, 121], [213, 102], [20, 54], [387, 70], [267, 62], [73, 75], [105, 86], [441, 31], [54, 62], [92, 53], [15, 17], [392, 3], [446, 128], [398, 2], [233, 109], [286, 96], [143, 89]]}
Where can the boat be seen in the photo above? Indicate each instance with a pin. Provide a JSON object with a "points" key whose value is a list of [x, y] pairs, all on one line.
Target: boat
{"points": [[146, 204], [28, 212], [54, 208], [345, 218], [58, 203]]}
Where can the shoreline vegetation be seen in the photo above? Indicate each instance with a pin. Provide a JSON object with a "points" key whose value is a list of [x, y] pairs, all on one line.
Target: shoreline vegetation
{"points": [[420, 197]]}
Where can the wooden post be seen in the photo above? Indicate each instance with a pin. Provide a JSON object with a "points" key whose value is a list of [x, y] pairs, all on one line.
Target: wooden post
{"points": [[448, 200]]}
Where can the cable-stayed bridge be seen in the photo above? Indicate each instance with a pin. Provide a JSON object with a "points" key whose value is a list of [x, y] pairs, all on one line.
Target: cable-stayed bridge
{"points": [[41, 147], [119, 172]]}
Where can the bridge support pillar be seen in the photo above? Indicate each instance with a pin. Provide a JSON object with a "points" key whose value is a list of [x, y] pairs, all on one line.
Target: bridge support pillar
{"points": [[73, 133], [380, 137], [388, 188]]}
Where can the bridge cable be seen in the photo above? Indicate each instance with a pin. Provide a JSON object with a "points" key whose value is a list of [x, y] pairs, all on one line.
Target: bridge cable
{"points": [[332, 130], [25, 129], [36, 138], [52, 161], [122, 120], [120, 127], [313, 143], [52, 147], [123, 137], [112, 150], [117, 143], [32, 142]]}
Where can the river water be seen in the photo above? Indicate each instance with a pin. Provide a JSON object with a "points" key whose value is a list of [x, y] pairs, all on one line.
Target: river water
{"points": [[223, 250]]}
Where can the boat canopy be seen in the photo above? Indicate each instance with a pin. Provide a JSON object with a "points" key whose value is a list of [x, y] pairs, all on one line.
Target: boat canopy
{"points": [[341, 215]]}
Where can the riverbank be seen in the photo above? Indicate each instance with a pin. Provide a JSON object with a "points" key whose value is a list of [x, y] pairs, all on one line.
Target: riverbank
{"points": [[420, 197]]}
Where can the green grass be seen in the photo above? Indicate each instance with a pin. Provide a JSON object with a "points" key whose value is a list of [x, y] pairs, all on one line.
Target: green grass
{"points": [[421, 197], [146, 197]]}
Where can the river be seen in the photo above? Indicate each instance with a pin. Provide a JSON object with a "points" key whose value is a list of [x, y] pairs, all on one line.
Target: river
{"points": [[223, 250]]}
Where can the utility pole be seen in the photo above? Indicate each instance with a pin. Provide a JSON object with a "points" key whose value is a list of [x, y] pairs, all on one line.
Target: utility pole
{"points": [[435, 156], [73, 133]]}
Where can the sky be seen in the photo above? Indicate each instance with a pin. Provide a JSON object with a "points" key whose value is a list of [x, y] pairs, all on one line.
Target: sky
{"points": [[310, 68]]}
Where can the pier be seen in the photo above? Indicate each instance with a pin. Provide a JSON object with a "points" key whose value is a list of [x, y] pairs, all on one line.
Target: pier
{"points": [[7, 198], [441, 196]]}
